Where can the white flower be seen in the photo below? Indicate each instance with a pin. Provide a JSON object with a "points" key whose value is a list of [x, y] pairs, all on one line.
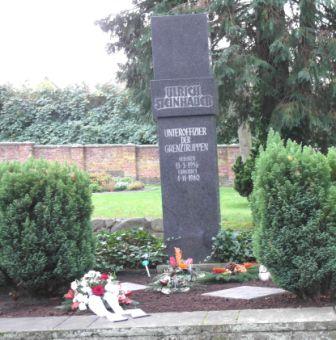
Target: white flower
{"points": [[81, 298], [84, 283], [74, 285], [82, 306], [92, 274], [87, 290]]}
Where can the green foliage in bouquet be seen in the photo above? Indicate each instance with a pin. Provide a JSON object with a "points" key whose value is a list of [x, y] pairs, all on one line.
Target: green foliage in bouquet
{"points": [[294, 210], [46, 236], [125, 249]]}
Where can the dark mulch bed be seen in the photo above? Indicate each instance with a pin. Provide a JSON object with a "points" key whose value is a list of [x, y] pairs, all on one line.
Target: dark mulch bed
{"points": [[155, 302]]}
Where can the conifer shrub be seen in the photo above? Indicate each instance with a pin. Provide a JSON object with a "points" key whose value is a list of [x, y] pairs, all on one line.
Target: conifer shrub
{"points": [[294, 211], [243, 183], [46, 237]]}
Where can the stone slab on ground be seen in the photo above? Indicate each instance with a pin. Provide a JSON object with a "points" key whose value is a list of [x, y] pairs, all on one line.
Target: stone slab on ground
{"points": [[246, 292], [284, 323], [132, 286]]}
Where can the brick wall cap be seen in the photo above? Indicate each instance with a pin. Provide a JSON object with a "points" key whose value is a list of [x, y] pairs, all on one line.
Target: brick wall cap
{"points": [[65, 146], [228, 145], [110, 145], [17, 143], [146, 146]]}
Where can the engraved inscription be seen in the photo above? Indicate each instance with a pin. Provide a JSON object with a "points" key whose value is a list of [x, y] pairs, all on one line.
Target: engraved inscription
{"points": [[177, 97], [187, 169], [187, 166], [186, 143]]}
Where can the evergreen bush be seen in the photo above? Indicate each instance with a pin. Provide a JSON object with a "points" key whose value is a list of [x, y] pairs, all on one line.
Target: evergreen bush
{"points": [[46, 236], [243, 174], [294, 210]]}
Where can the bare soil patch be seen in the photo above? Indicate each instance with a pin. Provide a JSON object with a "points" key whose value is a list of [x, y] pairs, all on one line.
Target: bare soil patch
{"points": [[156, 302]]}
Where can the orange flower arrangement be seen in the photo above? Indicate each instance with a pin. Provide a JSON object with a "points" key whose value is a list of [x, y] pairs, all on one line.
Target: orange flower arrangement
{"points": [[240, 268], [219, 270], [177, 260], [248, 265], [236, 268]]}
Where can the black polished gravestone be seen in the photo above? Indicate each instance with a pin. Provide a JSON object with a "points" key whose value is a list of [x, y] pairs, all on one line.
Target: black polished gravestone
{"points": [[184, 103]]}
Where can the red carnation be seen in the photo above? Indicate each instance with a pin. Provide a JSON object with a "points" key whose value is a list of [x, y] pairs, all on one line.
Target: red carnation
{"points": [[74, 305], [104, 276], [69, 295], [98, 290]]}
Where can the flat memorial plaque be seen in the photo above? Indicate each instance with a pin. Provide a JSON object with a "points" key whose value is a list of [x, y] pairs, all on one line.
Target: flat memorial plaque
{"points": [[246, 292]]}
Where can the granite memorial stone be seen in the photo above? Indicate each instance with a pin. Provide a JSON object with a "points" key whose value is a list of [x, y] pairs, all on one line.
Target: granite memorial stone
{"points": [[184, 103]]}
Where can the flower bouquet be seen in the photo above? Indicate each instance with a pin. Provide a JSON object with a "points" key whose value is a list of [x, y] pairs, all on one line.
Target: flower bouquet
{"points": [[178, 278], [232, 272], [97, 291]]}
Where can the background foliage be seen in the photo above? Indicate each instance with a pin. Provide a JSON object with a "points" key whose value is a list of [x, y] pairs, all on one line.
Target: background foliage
{"points": [[232, 246], [274, 61], [50, 115], [125, 249]]}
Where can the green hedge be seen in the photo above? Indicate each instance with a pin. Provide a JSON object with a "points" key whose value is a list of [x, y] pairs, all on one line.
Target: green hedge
{"points": [[46, 236], [294, 210]]}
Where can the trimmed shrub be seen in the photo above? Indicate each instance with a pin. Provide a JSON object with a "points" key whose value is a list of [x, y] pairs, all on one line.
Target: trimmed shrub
{"points": [[101, 182], [124, 249], [294, 210], [232, 246], [120, 186], [137, 185], [46, 237]]}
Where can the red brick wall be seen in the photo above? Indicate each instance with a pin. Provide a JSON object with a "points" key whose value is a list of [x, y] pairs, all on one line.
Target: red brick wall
{"points": [[16, 151], [137, 161], [148, 166]]}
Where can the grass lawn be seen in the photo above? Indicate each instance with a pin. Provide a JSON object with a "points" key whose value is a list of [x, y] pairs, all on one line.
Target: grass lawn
{"points": [[235, 210]]}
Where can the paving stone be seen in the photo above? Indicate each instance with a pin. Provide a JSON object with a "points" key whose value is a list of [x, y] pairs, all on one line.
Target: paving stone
{"points": [[31, 324], [154, 321], [132, 286], [246, 292], [274, 315], [77, 322], [222, 317]]}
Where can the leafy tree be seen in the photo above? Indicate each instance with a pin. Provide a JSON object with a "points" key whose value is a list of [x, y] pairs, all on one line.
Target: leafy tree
{"points": [[274, 61]]}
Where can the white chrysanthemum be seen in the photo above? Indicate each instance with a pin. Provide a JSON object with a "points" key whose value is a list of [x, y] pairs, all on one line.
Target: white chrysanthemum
{"points": [[84, 283], [92, 274], [81, 298], [82, 306], [87, 290], [74, 285]]}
